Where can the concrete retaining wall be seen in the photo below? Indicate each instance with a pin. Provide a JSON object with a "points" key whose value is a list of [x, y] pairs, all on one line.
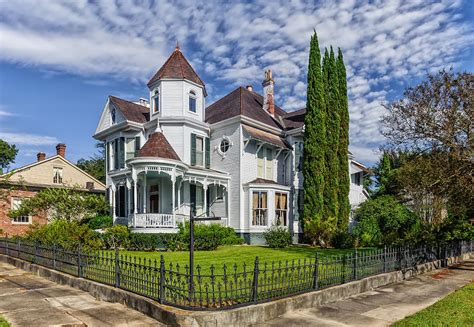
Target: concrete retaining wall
{"points": [[248, 315]]}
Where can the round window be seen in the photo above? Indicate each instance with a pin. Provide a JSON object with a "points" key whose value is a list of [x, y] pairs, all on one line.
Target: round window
{"points": [[225, 145]]}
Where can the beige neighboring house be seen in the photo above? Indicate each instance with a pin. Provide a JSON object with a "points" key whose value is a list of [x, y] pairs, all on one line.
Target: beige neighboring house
{"points": [[26, 181]]}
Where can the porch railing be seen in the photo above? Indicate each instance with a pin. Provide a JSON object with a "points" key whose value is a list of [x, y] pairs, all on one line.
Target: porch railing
{"points": [[161, 220]]}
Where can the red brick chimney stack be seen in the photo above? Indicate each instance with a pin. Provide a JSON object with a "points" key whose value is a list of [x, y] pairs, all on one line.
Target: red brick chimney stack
{"points": [[61, 150], [41, 156], [268, 92]]}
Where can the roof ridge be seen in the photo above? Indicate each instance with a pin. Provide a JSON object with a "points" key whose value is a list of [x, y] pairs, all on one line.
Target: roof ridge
{"points": [[113, 96]]}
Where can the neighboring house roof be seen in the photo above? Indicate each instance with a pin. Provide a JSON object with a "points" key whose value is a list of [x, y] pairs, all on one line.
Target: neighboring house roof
{"points": [[158, 146], [176, 67], [8, 175], [131, 111], [242, 102], [266, 137], [361, 166], [294, 119]]}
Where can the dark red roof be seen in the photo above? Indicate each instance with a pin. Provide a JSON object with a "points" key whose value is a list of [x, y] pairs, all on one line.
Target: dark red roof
{"points": [[176, 67], [130, 110], [255, 133], [242, 102], [294, 119], [264, 181], [158, 146]]}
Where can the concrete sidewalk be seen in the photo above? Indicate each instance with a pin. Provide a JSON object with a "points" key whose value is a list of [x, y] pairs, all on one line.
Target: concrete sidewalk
{"points": [[385, 305], [29, 300]]}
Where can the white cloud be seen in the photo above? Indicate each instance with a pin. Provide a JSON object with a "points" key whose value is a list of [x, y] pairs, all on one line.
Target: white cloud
{"points": [[28, 139], [384, 43]]}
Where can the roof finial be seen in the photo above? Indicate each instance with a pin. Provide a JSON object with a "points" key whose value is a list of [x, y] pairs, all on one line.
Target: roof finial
{"points": [[177, 45]]}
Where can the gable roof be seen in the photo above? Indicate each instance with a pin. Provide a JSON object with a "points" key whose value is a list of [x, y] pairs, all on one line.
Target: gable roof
{"points": [[242, 102], [37, 163], [294, 119], [131, 111], [158, 146], [176, 66]]}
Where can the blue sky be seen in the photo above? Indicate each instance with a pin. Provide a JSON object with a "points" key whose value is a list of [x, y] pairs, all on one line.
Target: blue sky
{"points": [[59, 60]]}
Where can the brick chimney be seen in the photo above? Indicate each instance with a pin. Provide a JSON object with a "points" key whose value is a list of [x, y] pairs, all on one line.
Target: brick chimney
{"points": [[41, 156], [268, 89], [61, 150]]}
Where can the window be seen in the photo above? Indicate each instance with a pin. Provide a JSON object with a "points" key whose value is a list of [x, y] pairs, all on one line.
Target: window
{"points": [[112, 115], [132, 146], [199, 151], [219, 192], [57, 175], [265, 163], [156, 102], [281, 208], [118, 153], [259, 208], [356, 178], [16, 202], [120, 201], [192, 101], [299, 156], [224, 146]]}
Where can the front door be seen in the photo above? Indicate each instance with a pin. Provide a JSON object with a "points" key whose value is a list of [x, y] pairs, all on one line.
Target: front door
{"points": [[154, 199]]}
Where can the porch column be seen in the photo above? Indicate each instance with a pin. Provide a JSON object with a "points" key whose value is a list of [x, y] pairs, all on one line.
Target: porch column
{"points": [[173, 200], [144, 192], [179, 193], [112, 201], [227, 199], [204, 187]]}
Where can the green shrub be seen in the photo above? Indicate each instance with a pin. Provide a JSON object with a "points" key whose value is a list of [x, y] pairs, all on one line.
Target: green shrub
{"points": [[152, 242], [384, 221], [98, 222], [277, 237], [208, 237], [65, 234], [117, 236], [342, 240]]}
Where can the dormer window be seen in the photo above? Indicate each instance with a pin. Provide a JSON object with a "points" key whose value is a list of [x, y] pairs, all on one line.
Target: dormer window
{"points": [[112, 115], [156, 102], [192, 101]]}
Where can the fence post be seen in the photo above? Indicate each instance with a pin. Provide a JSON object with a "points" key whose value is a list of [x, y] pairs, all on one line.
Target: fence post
{"points": [[255, 281], [354, 268], [117, 268], [162, 279], [54, 256], [385, 258], [315, 272], [79, 261]]}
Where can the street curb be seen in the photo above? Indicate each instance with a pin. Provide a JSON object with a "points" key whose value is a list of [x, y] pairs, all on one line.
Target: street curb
{"points": [[248, 315]]}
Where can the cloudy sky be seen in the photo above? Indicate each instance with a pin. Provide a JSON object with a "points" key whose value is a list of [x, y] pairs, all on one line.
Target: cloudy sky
{"points": [[59, 60]]}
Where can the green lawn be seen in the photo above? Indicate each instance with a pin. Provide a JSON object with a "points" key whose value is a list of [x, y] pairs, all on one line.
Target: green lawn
{"points": [[3, 322], [239, 255], [456, 309]]}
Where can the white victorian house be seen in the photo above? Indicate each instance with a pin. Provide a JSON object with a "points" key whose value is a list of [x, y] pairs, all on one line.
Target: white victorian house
{"points": [[239, 158]]}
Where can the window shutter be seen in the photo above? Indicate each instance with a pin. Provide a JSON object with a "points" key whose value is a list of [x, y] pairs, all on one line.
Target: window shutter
{"points": [[208, 153], [137, 145], [122, 152], [116, 153], [193, 149]]}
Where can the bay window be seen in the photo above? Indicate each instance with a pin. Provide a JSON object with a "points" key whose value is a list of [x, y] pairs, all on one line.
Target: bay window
{"points": [[259, 208]]}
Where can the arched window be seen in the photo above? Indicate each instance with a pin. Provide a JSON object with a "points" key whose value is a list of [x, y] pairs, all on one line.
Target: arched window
{"points": [[156, 102], [192, 101], [112, 115]]}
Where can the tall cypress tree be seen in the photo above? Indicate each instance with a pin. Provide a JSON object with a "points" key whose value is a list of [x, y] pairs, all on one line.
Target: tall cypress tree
{"points": [[331, 177], [343, 148], [314, 145]]}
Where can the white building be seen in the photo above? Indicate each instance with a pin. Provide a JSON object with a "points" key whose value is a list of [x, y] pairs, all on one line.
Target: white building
{"points": [[239, 158]]}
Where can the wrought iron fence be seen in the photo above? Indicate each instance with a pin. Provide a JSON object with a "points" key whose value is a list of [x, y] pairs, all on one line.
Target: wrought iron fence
{"points": [[230, 285]]}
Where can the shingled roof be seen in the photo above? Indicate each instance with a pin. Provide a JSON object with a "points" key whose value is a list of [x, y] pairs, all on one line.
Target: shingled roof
{"points": [[130, 110], [242, 102], [294, 119], [159, 147], [176, 67]]}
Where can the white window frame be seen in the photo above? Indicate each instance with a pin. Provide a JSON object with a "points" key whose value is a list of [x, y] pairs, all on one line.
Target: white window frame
{"points": [[219, 150], [192, 95], [262, 157], [57, 171], [14, 206], [154, 104], [202, 151], [285, 221], [262, 212]]}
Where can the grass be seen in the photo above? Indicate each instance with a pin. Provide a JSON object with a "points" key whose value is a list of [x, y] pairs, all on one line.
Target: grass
{"points": [[239, 255], [3, 322], [456, 309]]}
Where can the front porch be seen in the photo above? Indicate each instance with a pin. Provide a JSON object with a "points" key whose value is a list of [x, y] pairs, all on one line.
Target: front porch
{"points": [[158, 197]]}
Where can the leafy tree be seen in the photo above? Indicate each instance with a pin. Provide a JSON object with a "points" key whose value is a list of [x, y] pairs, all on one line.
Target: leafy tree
{"points": [[95, 165], [7, 155], [383, 220], [333, 121], [433, 122], [314, 146], [63, 203], [344, 207]]}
